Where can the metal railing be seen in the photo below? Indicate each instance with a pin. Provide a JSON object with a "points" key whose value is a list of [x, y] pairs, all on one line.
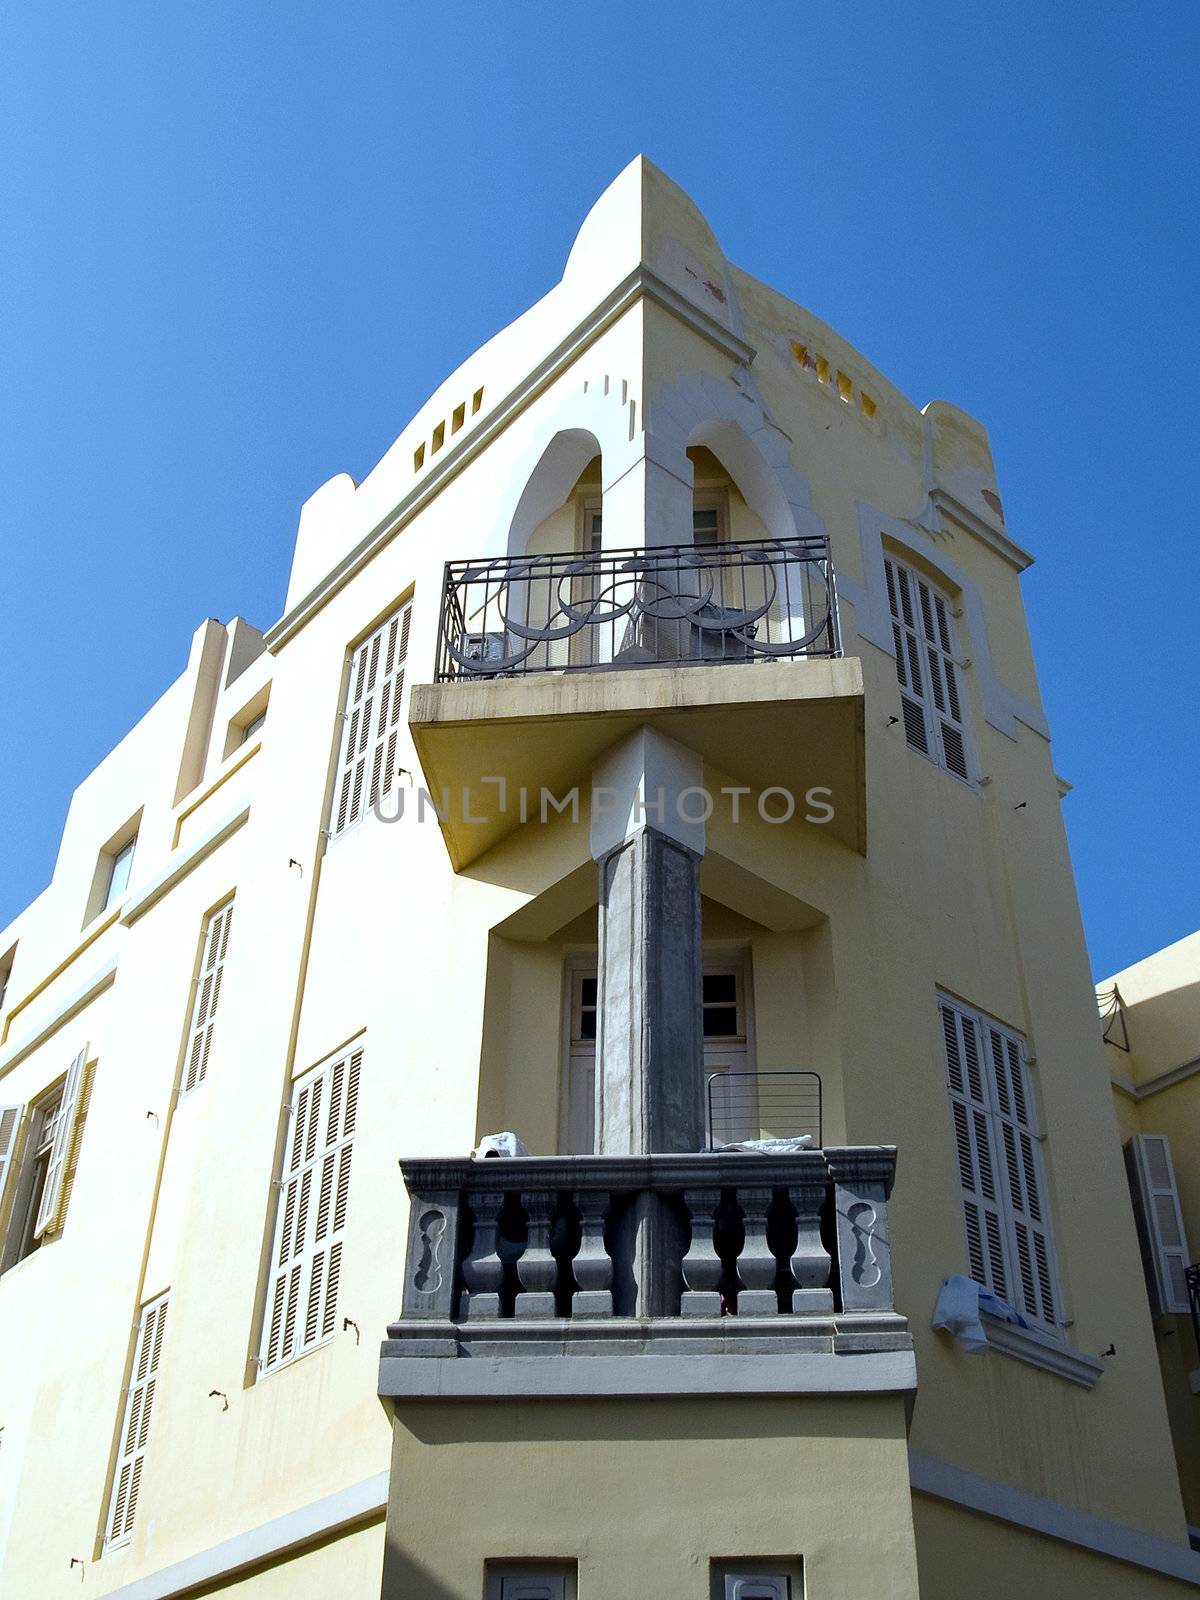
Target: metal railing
{"points": [[668, 605], [1192, 1275], [763, 1105]]}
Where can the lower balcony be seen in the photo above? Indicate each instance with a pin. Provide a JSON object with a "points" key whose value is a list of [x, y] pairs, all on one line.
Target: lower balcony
{"points": [[709, 1273]]}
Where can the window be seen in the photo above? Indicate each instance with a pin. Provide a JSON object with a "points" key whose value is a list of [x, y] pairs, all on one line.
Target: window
{"points": [[728, 1048], [214, 941], [36, 1172], [135, 1423], [530, 1580], [306, 1259], [253, 728], [757, 1578], [1004, 1196], [1159, 1221], [6, 966], [371, 721], [119, 869], [708, 522], [927, 668]]}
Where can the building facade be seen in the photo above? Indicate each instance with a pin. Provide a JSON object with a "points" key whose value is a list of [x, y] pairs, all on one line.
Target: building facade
{"points": [[1151, 1017], [648, 759]]}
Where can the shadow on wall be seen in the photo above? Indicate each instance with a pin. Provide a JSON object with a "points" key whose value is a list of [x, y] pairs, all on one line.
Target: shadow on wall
{"points": [[406, 1579]]}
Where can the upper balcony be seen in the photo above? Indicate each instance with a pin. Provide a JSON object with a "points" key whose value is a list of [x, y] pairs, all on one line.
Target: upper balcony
{"points": [[672, 605], [544, 661]]}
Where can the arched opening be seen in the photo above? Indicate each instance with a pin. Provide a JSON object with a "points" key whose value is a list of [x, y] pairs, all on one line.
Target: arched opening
{"points": [[767, 600]]}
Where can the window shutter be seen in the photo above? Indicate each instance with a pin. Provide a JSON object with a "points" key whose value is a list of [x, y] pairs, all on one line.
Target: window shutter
{"points": [[10, 1127], [926, 668], [975, 1146], [1034, 1291], [60, 1148], [1159, 1221], [1000, 1169], [214, 942], [371, 721], [135, 1422], [313, 1195]]}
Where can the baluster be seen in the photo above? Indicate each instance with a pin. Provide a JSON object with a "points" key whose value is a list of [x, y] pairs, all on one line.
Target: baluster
{"points": [[593, 1265], [537, 1269], [483, 1271], [810, 1263], [756, 1266], [701, 1265]]}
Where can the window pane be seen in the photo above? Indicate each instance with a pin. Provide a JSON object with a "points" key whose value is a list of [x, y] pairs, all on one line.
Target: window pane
{"points": [[720, 988], [587, 1025], [118, 878], [720, 1022], [587, 991], [704, 526]]}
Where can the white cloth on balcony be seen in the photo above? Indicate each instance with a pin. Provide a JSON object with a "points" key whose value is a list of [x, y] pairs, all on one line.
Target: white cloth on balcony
{"points": [[957, 1312], [498, 1144], [767, 1147]]}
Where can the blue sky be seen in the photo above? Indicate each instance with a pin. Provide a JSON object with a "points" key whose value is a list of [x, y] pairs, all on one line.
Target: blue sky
{"points": [[241, 244]]}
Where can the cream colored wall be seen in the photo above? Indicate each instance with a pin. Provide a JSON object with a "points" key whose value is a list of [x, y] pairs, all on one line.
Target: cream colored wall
{"points": [[959, 1554], [1161, 997], [347, 1565], [643, 1494]]}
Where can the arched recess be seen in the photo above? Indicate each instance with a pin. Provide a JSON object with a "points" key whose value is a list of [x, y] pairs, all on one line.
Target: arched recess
{"points": [[550, 482], [597, 418], [750, 472]]}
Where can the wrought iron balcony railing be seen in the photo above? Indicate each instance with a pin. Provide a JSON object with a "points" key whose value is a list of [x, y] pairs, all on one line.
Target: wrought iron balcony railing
{"points": [[532, 1255], [1192, 1278], [672, 605]]}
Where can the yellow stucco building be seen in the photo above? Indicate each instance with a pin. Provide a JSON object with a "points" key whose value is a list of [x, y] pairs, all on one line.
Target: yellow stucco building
{"points": [[1151, 1018], [648, 760]]}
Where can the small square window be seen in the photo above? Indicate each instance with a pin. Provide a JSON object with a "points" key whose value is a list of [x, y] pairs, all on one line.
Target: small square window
{"points": [[254, 727]]}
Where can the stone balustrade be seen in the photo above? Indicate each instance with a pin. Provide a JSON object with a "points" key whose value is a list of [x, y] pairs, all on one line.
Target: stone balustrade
{"points": [[513, 1256]]}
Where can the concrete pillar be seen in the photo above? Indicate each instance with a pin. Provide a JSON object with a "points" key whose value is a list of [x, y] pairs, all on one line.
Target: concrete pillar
{"points": [[650, 1046]]}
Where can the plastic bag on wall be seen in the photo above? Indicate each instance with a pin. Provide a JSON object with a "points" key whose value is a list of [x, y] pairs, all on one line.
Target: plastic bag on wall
{"points": [[957, 1312]]}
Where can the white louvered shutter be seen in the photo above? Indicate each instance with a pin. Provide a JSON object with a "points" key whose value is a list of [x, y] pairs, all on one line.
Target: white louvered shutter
{"points": [[1159, 1220], [926, 668], [371, 721], [1035, 1291], [10, 1127], [970, 1108], [60, 1148], [306, 1260], [135, 1423], [214, 942]]}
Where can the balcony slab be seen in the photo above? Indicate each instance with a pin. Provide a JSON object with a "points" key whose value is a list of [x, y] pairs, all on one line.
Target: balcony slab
{"points": [[617, 1377], [794, 725]]}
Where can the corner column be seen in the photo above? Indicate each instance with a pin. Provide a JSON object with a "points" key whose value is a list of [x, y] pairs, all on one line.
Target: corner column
{"points": [[650, 1045]]}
